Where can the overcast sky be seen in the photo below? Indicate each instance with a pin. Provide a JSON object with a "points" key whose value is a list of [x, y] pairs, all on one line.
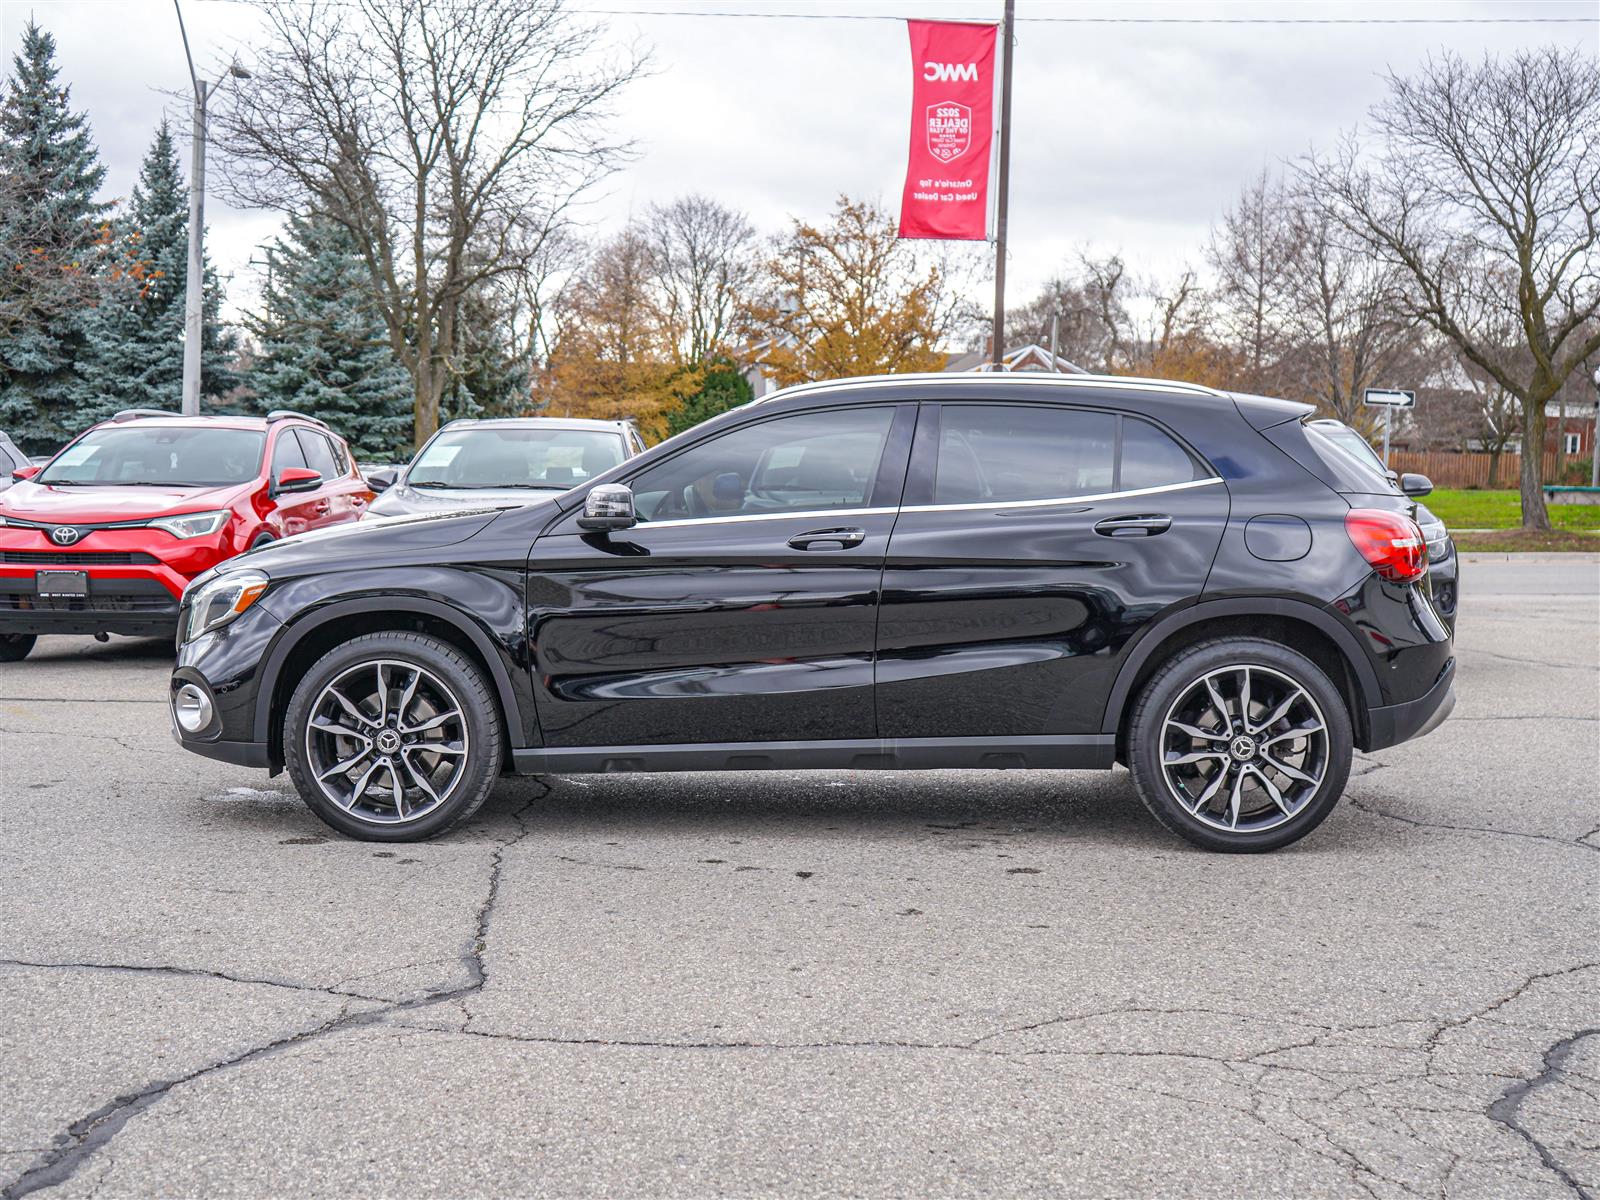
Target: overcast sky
{"points": [[1129, 136]]}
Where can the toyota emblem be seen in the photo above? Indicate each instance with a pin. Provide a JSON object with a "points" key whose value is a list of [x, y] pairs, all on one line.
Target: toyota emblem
{"points": [[64, 535]]}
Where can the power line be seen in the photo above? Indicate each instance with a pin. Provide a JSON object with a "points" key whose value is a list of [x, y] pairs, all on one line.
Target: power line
{"points": [[807, 16]]}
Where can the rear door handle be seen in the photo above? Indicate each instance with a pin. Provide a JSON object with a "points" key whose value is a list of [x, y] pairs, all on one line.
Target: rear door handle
{"points": [[320, 506], [828, 539], [1144, 525]]}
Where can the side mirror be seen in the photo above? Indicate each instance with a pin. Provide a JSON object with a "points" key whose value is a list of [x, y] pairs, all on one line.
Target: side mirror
{"points": [[296, 479], [1415, 485], [608, 506], [728, 489], [382, 480], [22, 473]]}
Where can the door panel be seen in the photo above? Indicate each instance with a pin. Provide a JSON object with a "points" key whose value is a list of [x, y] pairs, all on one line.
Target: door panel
{"points": [[751, 625], [1009, 617]]}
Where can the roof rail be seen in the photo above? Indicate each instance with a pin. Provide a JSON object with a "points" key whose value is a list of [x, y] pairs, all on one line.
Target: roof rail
{"points": [[288, 414], [957, 378], [133, 414]]}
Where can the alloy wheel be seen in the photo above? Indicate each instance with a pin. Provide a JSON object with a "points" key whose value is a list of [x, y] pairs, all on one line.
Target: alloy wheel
{"points": [[387, 741], [1244, 748]]}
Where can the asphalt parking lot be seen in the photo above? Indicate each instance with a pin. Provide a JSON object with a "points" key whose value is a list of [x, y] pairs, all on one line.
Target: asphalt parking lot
{"points": [[851, 984]]}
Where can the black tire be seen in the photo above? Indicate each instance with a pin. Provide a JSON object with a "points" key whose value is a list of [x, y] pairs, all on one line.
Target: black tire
{"points": [[1323, 765], [261, 539], [14, 647], [460, 680]]}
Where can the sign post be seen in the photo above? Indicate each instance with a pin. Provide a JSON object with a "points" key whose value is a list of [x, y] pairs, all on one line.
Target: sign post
{"points": [[1388, 399]]}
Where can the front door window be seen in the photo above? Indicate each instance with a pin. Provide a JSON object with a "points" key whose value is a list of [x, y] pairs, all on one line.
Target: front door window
{"points": [[810, 462]]}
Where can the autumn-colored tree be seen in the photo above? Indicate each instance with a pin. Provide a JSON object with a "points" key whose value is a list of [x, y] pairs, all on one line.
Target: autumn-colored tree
{"points": [[614, 355], [851, 298]]}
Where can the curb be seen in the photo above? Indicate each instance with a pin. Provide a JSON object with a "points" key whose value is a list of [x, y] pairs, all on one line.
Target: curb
{"points": [[1530, 556]]}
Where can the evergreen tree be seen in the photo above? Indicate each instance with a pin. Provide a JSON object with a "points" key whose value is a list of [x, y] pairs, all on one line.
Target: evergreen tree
{"points": [[50, 238], [134, 352], [323, 348], [724, 388]]}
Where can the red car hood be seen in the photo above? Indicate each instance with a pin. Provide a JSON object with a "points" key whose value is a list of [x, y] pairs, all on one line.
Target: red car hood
{"points": [[93, 505]]}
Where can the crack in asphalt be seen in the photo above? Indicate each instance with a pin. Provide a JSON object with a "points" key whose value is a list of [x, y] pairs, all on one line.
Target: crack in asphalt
{"points": [[93, 1131], [1504, 1110], [1371, 809], [189, 973]]}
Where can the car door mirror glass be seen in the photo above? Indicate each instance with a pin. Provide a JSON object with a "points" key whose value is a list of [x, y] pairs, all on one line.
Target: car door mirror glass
{"points": [[727, 489], [608, 506], [297, 479]]}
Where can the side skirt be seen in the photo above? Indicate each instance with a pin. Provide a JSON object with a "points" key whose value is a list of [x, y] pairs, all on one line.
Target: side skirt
{"points": [[1093, 751]]}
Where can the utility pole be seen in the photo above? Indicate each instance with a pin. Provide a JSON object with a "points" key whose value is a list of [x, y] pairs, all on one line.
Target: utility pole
{"points": [[1055, 334], [997, 349]]}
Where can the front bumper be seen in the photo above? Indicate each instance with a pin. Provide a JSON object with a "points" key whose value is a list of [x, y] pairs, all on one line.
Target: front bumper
{"points": [[136, 580], [134, 607], [1396, 723]]}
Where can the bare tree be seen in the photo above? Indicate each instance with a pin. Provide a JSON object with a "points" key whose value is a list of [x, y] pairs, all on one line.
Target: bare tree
{"points": [[1345, 333], [451, 137], [1483, 170], [707, 264], [1252, 255]]}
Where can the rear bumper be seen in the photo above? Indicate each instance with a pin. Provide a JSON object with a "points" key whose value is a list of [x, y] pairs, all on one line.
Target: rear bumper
{"points": [[1396, 723]]}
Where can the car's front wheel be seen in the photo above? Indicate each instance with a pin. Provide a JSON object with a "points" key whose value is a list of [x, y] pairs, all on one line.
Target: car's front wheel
{"points": [[14, 647], [1240, 745], [393, 737]]}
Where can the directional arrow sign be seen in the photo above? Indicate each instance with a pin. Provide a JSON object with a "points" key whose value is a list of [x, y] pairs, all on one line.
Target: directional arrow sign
{"points": [[1388, 398]]}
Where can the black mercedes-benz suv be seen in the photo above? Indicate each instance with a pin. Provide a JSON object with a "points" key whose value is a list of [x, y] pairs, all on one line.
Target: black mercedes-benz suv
{"points": [[959, 571]]}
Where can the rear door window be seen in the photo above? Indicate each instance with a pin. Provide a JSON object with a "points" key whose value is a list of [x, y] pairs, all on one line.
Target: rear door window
{"points": [[994, 453], [1152, 459]]}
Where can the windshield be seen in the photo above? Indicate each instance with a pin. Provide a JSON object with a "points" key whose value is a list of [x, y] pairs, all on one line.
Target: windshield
{"points": [[168, 455], [515, 457]]}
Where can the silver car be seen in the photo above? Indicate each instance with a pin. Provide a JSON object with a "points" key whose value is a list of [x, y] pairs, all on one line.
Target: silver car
{"points": [[470, 464]]}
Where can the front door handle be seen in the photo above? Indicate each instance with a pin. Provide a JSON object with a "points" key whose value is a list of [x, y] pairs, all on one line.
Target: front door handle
{"points": [[1144, 525], [828, 539]]}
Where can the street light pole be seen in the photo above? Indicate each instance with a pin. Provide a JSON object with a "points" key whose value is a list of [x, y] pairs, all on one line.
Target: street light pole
{"points": [[194, 297], [194, 289]]}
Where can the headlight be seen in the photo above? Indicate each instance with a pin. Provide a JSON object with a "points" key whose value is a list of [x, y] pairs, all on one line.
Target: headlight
{"points": [[193, 524], [215, 603]]}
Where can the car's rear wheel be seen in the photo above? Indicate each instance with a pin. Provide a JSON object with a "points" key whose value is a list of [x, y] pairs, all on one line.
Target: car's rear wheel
{"points": [[14, 647], [393, 737], [1240, 745]]}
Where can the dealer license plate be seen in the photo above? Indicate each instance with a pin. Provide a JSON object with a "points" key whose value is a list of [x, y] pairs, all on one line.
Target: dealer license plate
{"points": [[72, 584]]}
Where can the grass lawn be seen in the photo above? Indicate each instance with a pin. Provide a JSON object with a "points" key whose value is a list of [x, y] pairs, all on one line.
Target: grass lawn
{"points": [[1502, 510], [1515, 539]]}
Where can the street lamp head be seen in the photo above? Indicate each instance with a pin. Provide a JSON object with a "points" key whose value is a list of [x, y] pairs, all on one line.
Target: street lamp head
{"points": [[239, 72]]}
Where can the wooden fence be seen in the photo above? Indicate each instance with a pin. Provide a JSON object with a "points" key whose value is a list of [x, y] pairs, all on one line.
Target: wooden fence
{"points": [[1451, 469]]}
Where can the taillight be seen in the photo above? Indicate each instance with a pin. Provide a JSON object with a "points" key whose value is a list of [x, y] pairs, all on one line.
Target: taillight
{"points": [[1391, 543]]}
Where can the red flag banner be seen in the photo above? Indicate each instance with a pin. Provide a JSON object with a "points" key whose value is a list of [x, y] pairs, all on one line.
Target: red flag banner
{"points": [[952, 124]]}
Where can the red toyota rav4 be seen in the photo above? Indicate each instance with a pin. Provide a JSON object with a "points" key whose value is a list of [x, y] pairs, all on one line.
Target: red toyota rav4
{"points": [[104, 538]]}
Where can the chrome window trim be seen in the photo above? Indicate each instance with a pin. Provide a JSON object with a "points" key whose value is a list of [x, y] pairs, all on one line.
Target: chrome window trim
{"points": [[804, 514], [1052, 501], [828, 513]]}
